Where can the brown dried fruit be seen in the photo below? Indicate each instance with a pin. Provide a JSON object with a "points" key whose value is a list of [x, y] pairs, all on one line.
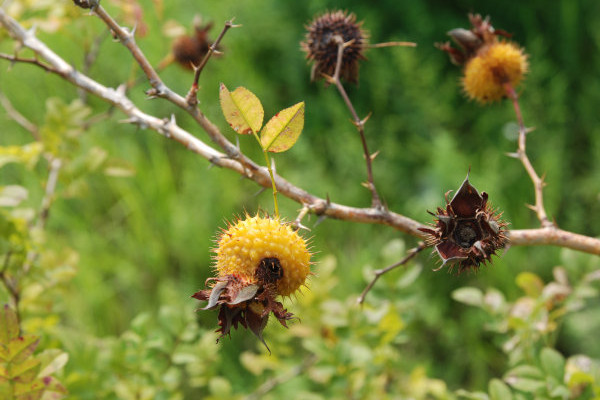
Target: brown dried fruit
{"points": [[468, 231], [321, 44]]}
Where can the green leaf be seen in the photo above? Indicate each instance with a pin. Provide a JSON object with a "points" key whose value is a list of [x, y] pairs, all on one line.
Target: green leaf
{"points": [[526, 378], [19, 349], [53, 388], [12, 195], [525, 371], [242, 109], [28, 154], [24, 372], [525, 384], [9, 325], [282, 131], [553, 363], [468, 295], [499, 390], [52, 360], [531, 284], [464, 394], [29, 391]]}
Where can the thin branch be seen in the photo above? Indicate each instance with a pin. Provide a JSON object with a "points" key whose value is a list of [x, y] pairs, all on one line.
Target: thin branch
{"points": [[272, 383], [191, 97], [236, 161], [128, 40], [297, 224], [55, 165], [391, 44], [10, 285], [34, 61], [54, 168], [359, 123], [538, 182], [553, 236], [19, 118], [91, 55], [159, 89], [378, 273]]}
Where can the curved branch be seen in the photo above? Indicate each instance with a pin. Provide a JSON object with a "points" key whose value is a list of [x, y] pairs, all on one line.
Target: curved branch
{"points": [[233, 159], [552, 236]]}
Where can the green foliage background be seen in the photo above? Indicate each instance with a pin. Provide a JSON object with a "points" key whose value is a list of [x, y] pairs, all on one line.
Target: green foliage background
{"points": [[130, 250]]}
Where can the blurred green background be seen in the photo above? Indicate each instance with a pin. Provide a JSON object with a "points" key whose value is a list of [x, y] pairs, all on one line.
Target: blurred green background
{"points": [[143, 242]]}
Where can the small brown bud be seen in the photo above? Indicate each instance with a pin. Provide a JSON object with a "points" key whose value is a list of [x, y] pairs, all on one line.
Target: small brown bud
{"points": [[188, 51], [87, 3]]}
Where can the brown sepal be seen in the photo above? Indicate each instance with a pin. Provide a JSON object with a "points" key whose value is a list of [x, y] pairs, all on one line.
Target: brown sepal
{"points": [[239, 303]]}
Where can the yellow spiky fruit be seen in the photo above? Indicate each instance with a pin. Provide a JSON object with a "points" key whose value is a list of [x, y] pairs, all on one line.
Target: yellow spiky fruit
{"points": [[244, 245], [494, 65]]}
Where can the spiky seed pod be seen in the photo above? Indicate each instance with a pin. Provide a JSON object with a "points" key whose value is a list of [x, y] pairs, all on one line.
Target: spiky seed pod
{"points": [[496, 65], [468, 231], [188, 51], [256, 259], [489, 63], [321, 44]]}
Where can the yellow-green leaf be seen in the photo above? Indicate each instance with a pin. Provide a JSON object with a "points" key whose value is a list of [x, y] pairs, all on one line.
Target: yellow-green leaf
{"points": [[52, 360], [282, 131], [531, 284], [19, 349], [242, 109], [9, 325], [24, 372]]}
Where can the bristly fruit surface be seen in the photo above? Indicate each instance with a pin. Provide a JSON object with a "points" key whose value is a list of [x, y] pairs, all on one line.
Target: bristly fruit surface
{"points": [[257, 259], [489, 63], [321, 44]]}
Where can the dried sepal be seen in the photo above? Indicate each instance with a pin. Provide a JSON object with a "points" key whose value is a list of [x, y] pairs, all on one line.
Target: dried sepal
{"points": [[248, 305], [468, 231]]}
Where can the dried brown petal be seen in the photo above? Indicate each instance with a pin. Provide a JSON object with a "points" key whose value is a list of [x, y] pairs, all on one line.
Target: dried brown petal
{"points": [[471, 41], [246, 304]]}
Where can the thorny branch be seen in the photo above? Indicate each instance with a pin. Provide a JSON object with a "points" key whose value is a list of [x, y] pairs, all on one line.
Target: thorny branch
{"points": [[10, 284], [232, 158], [191, 96], [272, 383], [378, 273], [521, 154], [360, 124], [19, 118]]}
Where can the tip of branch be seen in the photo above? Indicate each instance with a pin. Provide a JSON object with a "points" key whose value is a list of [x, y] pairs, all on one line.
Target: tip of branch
{"points": [[330, 80], [319, 220], [393, 44], [531, 207], [299, 226]]}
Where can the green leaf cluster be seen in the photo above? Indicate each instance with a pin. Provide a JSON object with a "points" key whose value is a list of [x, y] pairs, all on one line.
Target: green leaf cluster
{"points": [[23, 375]]}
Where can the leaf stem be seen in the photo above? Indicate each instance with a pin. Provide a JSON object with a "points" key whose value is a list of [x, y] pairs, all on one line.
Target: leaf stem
{"points": [[271, 174]]}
